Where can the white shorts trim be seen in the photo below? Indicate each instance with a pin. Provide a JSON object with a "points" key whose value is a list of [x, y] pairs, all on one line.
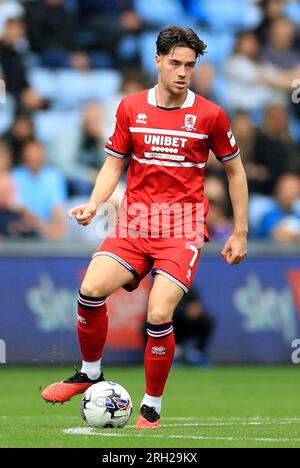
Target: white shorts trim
{"points": [[118, 259], [170, 277]]}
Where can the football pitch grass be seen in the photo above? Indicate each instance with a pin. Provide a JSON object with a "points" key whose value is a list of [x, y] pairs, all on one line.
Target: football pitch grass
{"points": [[215, 407]]}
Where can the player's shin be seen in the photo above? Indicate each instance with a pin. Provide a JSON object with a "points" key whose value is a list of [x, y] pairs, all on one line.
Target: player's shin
{"points": [[92, 326], [159, 355]]}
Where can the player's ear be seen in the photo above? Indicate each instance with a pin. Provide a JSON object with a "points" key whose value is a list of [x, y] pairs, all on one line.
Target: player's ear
{"points": [[157, 61]]}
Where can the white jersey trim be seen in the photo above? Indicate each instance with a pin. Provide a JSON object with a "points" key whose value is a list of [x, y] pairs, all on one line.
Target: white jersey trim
{"points": [[115, 154], [163, 131], [230, 156], [152, 97], [189, 101], [158, 162]]}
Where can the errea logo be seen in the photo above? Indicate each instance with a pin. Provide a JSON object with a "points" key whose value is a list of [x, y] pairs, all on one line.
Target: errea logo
{"points": [[141, 118]]}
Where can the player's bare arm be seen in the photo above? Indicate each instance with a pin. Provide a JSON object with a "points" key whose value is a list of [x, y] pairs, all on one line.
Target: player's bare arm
{"points": [[235, 249], [106, 182]]}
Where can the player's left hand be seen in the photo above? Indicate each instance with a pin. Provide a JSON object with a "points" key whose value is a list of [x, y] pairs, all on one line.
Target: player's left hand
{"points": [[235, 249]]}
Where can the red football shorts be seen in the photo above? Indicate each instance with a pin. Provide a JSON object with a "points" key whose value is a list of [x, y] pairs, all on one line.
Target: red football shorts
{"points": [[174, 258]]}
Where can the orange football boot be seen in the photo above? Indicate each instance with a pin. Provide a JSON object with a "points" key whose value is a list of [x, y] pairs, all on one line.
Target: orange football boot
{"points": [[63, 391], [147, 419]]}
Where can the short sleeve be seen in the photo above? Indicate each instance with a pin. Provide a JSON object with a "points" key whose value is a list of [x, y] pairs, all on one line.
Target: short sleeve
{"points": [[119, 142], [221, 139]]}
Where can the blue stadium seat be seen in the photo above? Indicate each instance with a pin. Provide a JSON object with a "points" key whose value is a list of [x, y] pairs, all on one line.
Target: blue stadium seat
{"points": [[7, 113], [128, 47], [67, 88], [219, 46], [295, 129], [49, 123], [71, 5], [259, 205], [219, 91], [163, 12], [62, 59], [148, 50], [44, 82], [292, 11], [77, 88], [297, 207], [195, 9], [232, 15]]}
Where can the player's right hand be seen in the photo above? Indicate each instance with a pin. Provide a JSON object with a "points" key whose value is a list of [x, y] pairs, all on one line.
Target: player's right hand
{"points": [[84, 214]]}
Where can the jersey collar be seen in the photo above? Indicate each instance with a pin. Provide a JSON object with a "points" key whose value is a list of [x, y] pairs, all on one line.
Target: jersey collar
{"points": [[189, 102]]}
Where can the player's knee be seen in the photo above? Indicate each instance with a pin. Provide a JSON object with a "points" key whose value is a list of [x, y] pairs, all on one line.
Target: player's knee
{"points": [[89, 291], [156, 317]]}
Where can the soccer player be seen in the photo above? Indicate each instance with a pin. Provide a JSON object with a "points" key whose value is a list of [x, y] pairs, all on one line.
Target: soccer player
{"points": [[166, 134]]}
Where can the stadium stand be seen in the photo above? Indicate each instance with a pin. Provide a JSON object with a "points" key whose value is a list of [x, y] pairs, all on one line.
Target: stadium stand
{"points": [[72, 53]]}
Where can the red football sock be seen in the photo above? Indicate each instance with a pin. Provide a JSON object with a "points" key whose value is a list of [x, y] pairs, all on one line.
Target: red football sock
{"points": [[159, 356], [92, 326]]}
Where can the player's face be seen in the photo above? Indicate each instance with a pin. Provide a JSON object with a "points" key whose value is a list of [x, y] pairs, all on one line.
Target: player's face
{"points": [[176, 69]]}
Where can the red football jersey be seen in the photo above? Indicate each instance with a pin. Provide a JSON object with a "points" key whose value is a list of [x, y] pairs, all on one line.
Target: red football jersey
{"points": [[168, 151]]}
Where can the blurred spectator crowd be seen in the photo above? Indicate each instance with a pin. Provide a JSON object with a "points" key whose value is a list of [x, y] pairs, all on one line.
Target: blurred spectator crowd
{"points": [[67, 63]]}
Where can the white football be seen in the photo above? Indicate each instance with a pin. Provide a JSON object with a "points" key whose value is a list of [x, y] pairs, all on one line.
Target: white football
{"points": [[106, 404]]}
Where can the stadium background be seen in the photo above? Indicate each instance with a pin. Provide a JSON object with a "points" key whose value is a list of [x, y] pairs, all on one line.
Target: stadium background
{"points": [[66, 65]]}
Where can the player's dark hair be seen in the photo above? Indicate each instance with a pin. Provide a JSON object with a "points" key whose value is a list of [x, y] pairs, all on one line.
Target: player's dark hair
{"points": [[175, 36]]}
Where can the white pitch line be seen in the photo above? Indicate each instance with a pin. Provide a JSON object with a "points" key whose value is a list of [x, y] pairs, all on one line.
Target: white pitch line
{"points": [[74, 418], [225, 424], [90, 431], [233, 439], [222, 424], [255, 418], [249, 423]]}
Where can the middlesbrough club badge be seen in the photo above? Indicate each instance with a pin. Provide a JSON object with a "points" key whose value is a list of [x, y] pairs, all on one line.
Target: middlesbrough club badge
{"points": [[189, 122]]}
